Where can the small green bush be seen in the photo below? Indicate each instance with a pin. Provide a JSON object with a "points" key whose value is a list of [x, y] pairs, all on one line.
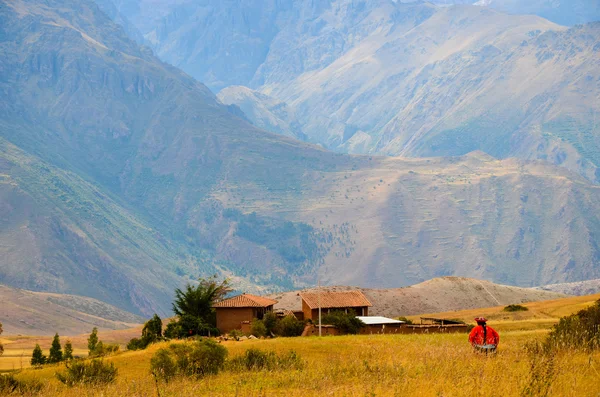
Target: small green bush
{"points": [[289, 326], [515, 308], [201, 358], [236, 334], [10, 385], [256, 360], [270, 321], [95, 372], [258, 328], [406, 320]]}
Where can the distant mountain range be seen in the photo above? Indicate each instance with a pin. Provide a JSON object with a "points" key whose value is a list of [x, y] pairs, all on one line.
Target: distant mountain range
{"points": [[399, 78], [121, 177]]}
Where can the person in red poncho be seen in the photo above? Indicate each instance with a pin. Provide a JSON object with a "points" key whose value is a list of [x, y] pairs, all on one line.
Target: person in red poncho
{"points": [[484, 338]]}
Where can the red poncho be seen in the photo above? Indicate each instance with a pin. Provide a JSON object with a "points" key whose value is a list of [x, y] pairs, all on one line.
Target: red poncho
{"points": [[476, 336]]}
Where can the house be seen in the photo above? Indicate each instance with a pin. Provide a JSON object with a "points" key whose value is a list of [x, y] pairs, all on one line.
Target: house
{"points": [[330, 301], [380, 325], [232, 312]]}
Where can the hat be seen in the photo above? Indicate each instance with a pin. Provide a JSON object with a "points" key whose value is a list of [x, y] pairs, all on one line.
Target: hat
{"points": [[481, 320]]}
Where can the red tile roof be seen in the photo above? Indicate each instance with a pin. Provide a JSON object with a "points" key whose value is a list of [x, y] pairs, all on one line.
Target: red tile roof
{"points": [[246, 300], [330, 299]]}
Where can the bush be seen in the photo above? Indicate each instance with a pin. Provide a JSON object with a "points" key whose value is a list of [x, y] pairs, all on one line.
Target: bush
{"points": [[162, 365], [204, 357], [95, 372], [406, 320], [270, 321], [347, 323], [258, 328], [515, 308], [236, 334], [136, 344], [10, 385], [187, 326], [289, 326], [257, 360], [578, 331], [104, 349]]}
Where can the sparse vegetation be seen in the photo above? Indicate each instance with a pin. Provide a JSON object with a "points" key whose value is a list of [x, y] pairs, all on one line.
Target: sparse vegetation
{"points": [[515, 308], [94, 372], [256, 360], [11, 386], [577, 331]]}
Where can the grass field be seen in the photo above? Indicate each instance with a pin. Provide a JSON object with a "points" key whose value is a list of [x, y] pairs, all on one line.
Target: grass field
{"points": [[389, 365]]}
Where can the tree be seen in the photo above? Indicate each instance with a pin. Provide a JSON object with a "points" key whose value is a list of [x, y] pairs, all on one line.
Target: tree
{"points": [[38, 358], [1, 347], [56, 354], [347, 323], [68, 351], [152, 331], [93, 341], [198, 301], [270, 321]]}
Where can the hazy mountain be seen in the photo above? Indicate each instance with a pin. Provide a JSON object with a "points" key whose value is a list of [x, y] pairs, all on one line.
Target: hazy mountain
{"points": [[122, 177], [263, 111], [564, 12], [395, 78], [579, 288]]}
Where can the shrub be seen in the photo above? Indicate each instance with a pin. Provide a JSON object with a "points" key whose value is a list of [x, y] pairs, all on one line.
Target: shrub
{"points": [[236, 334], [406, 320], [187, 326], [136, 344], [173, 330], [162, 365], [258, 328], [10, 385], [515, 308], [257, 360], [104, 349], [347, 323], [95, 372], [270, 321], [38, 358], [289, 326], [204, 357], [578, 331]]}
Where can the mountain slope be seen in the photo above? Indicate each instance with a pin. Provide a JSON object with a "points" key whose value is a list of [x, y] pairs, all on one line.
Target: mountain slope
{"points": [[432, 296], [138, 180], [38, 313], [579, 288]]}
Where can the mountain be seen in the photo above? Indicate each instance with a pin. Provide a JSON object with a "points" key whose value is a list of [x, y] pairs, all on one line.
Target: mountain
{"points": [[394, 78], [37, 313], [579, 288], [432, 296], [263, 111], [122, 178]]}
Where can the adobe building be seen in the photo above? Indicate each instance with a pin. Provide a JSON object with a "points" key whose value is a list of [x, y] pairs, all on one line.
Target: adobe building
{"points": [[331, 301], [232, 312]]}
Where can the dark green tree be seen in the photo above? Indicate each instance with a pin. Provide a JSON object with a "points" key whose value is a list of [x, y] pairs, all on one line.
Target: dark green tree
{"points": [[38, 358], [197, 301], [93, 341], [68, 351], [270, 321], [347, 323], [56, 354], [152, 330]]}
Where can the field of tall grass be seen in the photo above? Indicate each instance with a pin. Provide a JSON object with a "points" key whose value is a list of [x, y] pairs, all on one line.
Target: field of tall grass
{"points": [[369, 365]]}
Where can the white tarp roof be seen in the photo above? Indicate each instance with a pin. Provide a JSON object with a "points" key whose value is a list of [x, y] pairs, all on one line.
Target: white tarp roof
{"points": [[377, 320]]}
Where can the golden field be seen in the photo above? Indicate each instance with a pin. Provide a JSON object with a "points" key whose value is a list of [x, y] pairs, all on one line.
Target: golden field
{"points": [[375, 365]]}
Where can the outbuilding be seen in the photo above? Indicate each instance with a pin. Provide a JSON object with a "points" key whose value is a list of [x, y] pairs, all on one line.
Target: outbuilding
{"points": [[380, 325], [330, 301], [232, 312]]}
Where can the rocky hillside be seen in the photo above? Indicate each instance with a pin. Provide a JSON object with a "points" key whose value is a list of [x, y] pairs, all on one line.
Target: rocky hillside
{"points": [[122, 178], [579, 288], [397, 78], [433, 296], [36, 313]]}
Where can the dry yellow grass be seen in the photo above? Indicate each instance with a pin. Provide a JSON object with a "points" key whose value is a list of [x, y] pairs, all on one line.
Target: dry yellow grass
{"points": [[389, 365]]}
